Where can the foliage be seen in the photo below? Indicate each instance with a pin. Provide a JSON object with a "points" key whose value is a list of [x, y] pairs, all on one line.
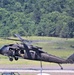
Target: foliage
{"points": [[37, 17]]}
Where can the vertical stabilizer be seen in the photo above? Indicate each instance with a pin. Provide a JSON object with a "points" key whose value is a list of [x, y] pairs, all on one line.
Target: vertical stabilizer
{"points": [[71, 59]]}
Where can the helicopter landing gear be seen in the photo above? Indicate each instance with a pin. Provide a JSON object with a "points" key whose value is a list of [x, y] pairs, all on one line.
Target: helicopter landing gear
{"points": [[10, 58], [60, 67], [16, 58]]}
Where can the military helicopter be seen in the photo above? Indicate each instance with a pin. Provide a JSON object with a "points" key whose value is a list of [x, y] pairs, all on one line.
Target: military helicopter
{"points": [[27, 51]]}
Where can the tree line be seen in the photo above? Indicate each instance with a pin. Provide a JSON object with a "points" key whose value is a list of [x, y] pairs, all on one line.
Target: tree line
{"points": [[37, 17]]}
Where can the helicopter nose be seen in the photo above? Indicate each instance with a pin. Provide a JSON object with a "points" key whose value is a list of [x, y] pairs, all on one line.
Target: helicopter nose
{"points": [[0, 51]]}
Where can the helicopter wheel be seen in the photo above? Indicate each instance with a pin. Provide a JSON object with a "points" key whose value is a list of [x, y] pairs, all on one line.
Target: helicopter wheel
{"points": [[16, 58], [11, 59]]}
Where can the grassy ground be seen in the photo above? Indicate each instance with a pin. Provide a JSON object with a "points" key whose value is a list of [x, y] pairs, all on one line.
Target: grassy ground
{"points": [[57, 46]]}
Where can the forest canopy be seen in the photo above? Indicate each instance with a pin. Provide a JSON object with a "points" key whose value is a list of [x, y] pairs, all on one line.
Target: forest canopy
{"points": [[37, 17]]}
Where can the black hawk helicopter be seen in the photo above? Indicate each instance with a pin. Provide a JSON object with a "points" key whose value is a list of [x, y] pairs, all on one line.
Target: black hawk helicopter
{"points": [[27, 51]]}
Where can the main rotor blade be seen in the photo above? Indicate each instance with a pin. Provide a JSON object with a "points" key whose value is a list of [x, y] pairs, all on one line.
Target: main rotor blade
{"points": [[21, 39], [12, 39]]}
